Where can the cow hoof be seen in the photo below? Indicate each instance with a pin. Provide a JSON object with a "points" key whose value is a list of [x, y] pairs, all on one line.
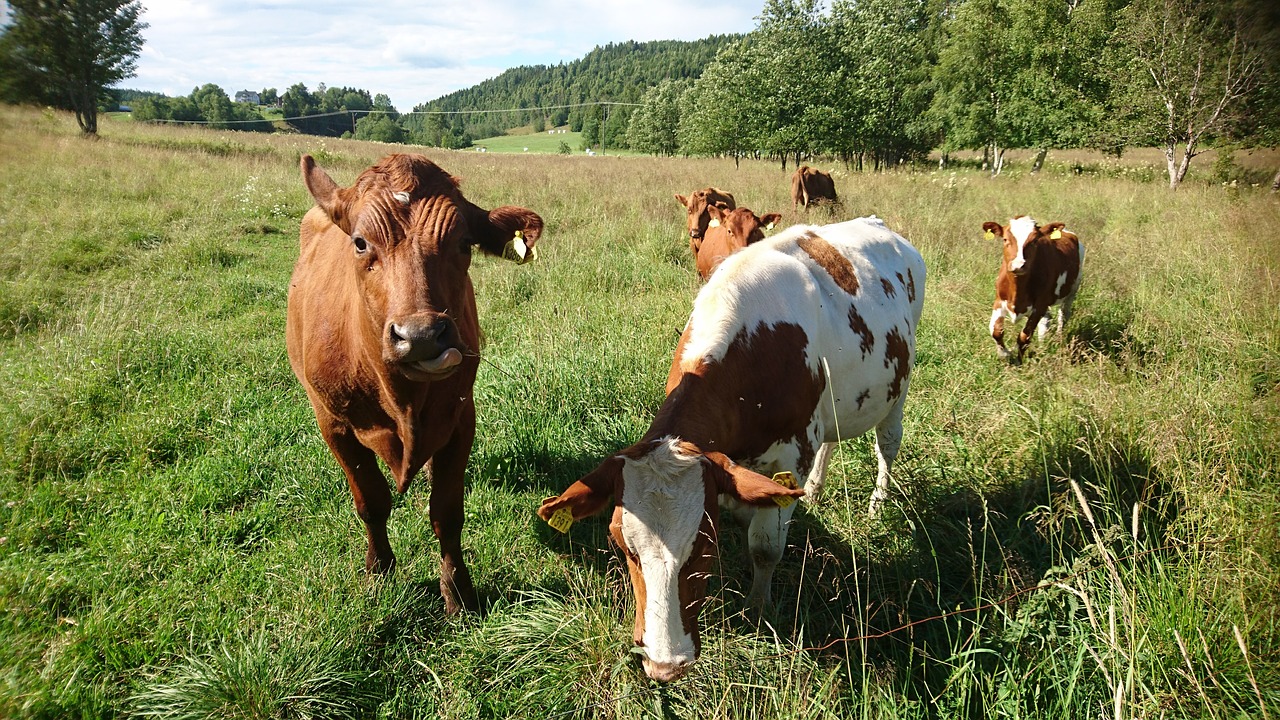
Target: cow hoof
{"points": [[375, 565]]}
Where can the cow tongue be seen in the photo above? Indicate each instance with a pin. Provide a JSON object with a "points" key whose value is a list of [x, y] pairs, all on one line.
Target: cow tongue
{"points": [[443, 361]]}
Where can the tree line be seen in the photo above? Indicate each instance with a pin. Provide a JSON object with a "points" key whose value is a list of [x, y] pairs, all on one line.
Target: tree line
{"points": [[874, 83], [880, 82]]}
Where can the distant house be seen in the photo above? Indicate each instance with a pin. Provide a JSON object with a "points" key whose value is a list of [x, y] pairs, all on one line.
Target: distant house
{"points": [[248, 96]]}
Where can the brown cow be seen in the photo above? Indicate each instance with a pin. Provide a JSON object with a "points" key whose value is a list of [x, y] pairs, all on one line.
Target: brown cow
{"points": [[382, 332], [1040, 269], [728, 232], [696, 207], [809, 185], [793, 345]]}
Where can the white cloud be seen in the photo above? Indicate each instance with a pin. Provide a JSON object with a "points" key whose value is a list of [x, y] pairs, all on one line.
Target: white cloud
{"points": [[412, 51]]}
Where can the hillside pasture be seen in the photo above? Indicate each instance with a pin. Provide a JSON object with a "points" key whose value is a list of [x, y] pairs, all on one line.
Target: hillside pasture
{"points": [[1091, 535], [538, 143]]}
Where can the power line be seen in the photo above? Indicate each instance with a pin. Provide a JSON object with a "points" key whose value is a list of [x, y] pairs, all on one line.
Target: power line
{"points": [[352, 113]]}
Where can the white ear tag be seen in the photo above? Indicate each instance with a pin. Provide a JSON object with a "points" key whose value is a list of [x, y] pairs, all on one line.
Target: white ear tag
{"points": [[715, 222], [769, 226], [403, 197], [518, 251]]}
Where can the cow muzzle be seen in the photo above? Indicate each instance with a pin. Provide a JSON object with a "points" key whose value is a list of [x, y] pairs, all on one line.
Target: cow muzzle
{"points": [[423, 344], [665, 672]]}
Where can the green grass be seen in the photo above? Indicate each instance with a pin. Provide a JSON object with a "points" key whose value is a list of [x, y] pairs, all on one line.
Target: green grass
{"points": [[539, 144], [177, 542]]}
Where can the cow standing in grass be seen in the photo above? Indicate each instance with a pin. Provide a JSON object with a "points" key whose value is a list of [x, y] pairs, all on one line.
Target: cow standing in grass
{"points": [[383, 334], [1040, 269], [794, 344], [810, 186], [699, 218], [728, 232]]}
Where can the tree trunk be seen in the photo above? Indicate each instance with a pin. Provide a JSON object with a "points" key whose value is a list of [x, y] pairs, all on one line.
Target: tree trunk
{"points": [[1039, 163], [986, 156], [1275, 182]]}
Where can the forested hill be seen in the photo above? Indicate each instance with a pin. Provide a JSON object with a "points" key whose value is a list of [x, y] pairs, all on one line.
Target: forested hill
{"points": [[617, 72]]}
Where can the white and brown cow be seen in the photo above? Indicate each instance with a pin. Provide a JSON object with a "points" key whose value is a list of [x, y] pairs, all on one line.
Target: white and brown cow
{"points": [[794, 343], [1040, 269]]}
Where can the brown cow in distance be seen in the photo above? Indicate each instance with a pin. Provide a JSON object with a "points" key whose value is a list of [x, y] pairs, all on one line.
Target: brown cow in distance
{"points": [[809, 185], [383, 334], [696, 207], [1040, 269], [728, 232]]}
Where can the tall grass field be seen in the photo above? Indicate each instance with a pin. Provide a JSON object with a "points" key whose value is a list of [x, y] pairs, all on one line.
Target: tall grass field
{"points": [[1094, 534]]}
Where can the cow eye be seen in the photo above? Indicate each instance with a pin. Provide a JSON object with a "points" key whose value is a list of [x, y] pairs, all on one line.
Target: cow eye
{"points": [[362, 246]]}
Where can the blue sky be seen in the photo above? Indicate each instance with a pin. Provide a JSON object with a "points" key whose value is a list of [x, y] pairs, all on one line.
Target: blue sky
{"points": [[411, 51]]}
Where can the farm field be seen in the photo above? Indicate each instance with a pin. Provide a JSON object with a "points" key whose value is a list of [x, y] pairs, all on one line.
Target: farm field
{"points": [[1095, 534], [538, 144]]}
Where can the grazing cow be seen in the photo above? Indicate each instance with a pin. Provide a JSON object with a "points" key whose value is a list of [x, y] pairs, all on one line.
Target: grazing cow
{"points": [[696, 207], [795, 343], [728, 232], [1040, 269], [809, 185], [382, 333]]}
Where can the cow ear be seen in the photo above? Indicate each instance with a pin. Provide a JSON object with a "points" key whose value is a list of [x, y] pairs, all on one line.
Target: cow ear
{"points": [[768, 221], [510, 232], [585, 497], [334, 200], [747, 486], [684, 202], [1052, 230], [716, 212], [992, 230]]}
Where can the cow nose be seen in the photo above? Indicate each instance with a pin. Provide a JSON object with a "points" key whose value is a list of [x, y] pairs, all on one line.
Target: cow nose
{"points": [[695, 234], [418, 337], [665, 672]]}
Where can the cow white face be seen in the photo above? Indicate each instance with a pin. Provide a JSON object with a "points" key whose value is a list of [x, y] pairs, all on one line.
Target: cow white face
{"points": [[1019, 238], [665, 524], [665, 521]]}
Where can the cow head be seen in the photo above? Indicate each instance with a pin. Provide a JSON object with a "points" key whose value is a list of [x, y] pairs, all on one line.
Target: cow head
{"points": [[665, 520], [411, 235], [742, 225], [696, 205], [1020, 239]]}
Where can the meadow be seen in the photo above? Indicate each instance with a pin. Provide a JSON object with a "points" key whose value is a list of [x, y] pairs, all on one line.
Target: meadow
{"points": [[1095, 534]]}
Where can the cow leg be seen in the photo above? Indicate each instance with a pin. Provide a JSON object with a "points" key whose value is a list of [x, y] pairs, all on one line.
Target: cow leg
{"points": [[1064, 313], [997, 332], [766, 539], [448, 469], [818, 475], [1024, 337], [888, 440], [369, 490]]}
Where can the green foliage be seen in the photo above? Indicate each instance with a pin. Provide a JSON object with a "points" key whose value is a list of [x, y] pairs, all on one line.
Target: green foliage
{"points": [[654, 125], [380, 127], [69, 52], [617, 72]]}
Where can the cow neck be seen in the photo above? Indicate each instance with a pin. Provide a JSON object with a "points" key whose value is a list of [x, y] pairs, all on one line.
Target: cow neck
{"points": [[690, 413]]}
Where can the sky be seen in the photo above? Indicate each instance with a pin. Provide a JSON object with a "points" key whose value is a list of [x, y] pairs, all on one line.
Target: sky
{"points": [[411, 51]]}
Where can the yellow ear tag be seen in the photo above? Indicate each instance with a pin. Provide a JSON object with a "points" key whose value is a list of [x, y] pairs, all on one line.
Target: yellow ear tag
{"points": [[990, 235], [517, 251], [1056, 234], [787, 480], [715, 222], [561, 519], [769, 226]]}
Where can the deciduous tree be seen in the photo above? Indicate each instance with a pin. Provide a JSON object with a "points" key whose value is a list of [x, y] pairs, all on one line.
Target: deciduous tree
{"points": [[1188, 66], [75, 49]]}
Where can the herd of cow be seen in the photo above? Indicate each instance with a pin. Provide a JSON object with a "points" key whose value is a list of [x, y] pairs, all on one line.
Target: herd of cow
{"points": [[793, 344]]}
